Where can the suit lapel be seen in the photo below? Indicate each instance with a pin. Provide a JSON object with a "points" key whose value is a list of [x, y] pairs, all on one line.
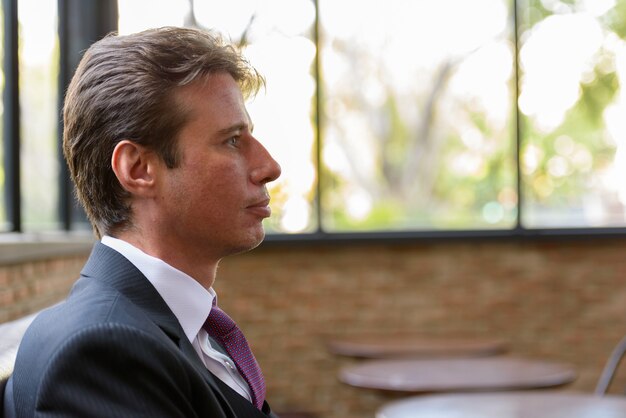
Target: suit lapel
{"points": [[113, 269]]}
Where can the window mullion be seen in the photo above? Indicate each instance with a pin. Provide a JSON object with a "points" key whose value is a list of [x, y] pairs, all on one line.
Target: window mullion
{"points": [[11, 122]]}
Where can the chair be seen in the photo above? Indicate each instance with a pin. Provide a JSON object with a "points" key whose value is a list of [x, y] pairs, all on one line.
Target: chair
{"points": [[11, 334], [7, 359], [611, 367]]}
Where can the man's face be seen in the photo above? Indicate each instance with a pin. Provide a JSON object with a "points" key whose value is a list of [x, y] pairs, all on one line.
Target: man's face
{"points": [[214, 201]]}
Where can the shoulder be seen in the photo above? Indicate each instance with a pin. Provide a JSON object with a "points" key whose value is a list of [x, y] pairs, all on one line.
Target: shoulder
{"points": [[93, 316], [95, 305], [112, 348], [114, 368]]}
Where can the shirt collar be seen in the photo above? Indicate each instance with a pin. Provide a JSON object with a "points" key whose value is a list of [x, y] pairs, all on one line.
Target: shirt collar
{"points": [[189, 300]]}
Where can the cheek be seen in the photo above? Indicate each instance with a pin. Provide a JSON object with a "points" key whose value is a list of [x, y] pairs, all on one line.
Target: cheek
{"points": [[227, 178], [221, 189], [217, 181]]}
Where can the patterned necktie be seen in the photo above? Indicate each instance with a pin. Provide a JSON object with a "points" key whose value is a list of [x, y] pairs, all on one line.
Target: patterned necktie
{"points": [[221, 327]]}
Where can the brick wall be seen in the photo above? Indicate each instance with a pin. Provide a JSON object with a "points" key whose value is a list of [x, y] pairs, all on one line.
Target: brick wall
{"points": [[555, 300], [562, 301], [29, 286]]}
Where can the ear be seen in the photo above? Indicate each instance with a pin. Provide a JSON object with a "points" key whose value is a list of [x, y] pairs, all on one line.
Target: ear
{"points": [[134, 167]]}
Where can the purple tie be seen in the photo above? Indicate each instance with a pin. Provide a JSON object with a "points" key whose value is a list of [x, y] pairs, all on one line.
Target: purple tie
{"points": [[221, 327]]}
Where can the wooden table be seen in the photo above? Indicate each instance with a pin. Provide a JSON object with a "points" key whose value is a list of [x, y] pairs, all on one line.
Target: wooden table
{"points": [[548, 404], [370, 346], [447, 375]]}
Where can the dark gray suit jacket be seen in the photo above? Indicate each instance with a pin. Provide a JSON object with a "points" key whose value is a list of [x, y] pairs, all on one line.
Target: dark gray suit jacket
{"points": [[115, 349]]}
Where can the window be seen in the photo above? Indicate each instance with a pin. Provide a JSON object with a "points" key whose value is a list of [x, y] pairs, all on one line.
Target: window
{"points": [[38, 69], [3, 191], [414, 117], [418, 115], [29, 172], [572, 106]]}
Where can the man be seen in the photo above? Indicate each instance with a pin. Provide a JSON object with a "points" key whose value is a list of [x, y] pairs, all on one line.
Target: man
{"points": [[160, 147]]}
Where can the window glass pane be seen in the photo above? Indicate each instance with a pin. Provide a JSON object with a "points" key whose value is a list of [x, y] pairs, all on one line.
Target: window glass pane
{"points": [[573, 62], [137, 15], [3, 213], [418, 128], [38, 66], [276, 36]]}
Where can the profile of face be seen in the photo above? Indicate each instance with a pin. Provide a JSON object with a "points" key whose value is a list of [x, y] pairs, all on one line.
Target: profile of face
{"points": [[215, 200]]}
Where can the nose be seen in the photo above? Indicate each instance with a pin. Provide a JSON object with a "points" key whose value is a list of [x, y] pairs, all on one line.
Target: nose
{"points": [[266, 169]]}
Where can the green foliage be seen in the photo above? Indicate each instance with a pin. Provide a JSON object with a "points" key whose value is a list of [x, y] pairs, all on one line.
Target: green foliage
{"points": [[530, 12], [395, 142], [585, 125], [615, 19]]}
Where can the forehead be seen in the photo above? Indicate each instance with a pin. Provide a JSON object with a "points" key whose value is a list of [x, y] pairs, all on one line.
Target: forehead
{"points": [[216, 92], [215, 97]]}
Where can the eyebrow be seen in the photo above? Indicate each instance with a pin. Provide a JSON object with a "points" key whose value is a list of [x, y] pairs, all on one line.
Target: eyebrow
{"points": [[237, 127]]}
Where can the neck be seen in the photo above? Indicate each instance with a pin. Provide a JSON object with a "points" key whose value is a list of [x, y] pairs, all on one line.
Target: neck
{"points": [[201, 268]]}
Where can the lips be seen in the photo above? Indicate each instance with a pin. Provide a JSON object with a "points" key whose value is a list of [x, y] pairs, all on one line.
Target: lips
{"points": [[261, 208]]}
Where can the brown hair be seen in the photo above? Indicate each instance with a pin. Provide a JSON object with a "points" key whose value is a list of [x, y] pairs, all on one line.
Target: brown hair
{"points": [[123, 89]]}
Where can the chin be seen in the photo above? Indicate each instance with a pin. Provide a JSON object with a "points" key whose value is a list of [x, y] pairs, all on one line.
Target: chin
{"points": [[250, 242], [258, 239]]}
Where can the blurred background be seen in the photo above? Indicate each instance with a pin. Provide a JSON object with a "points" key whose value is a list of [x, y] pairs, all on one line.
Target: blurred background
{"points": [[449, 167], [412, 116]]}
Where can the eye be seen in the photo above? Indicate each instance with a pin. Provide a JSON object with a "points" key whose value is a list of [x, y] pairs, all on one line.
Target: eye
{"points": [[233, 141]]}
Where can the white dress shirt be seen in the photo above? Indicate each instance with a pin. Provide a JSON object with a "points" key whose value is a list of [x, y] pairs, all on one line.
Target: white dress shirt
{"points": [[191, 303]]}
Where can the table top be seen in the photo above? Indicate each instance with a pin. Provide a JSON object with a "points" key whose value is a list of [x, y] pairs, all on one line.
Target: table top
{"points": [[395, 346], [457, 374], [530, 404]]}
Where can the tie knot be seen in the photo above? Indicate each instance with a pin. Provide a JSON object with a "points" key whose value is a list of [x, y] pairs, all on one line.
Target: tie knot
{"points": [[219, 324]]}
